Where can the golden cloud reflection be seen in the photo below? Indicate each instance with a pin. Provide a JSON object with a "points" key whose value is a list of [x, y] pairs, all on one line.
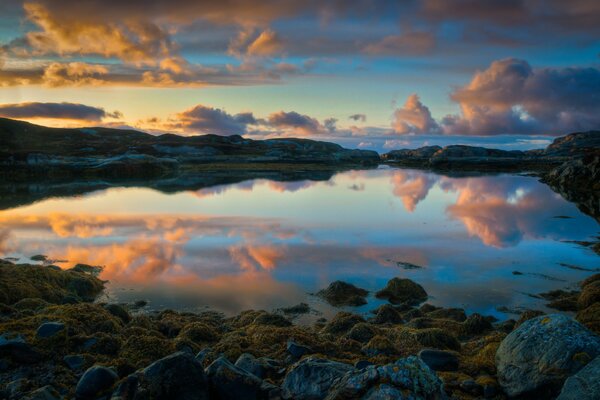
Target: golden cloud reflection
{"points": [[411, 187]]}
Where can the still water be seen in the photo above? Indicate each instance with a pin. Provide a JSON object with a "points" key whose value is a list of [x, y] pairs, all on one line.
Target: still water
{"points": [[268, 244]]}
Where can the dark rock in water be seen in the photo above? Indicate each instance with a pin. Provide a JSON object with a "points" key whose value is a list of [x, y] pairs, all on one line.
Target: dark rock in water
{"points": [[387, 314], [49, 329], [407, 378], [301, 308], [39, 257], [272, 319], [74, 361], [403, 291], [177, 376], [311, 378], [342, 322], [542, 353], [44, 393], [340, 293], [455, 314], [476, 324], [439, 360], [95, 382], [584, 385], [230, 382], [17, 349], [118, 311], [296, 350]]}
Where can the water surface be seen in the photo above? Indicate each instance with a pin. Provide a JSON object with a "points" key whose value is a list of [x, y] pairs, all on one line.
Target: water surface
{"points": [[268, 244]]}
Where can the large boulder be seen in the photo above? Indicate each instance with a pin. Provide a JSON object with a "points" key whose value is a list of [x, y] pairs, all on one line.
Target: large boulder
{"points": [[177, 376], [537, 357], [584, 385], [340, 293], [230, 382], [95, 382], [311, 378], [407, 378], [402, 291]]}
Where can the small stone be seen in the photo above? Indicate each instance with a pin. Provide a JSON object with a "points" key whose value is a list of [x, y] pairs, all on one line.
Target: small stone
{"points": [[94, 382], [472, 387], [297, 350], [49, 329], [18, 350], [340, 293], [439, 360], [74, 361]]}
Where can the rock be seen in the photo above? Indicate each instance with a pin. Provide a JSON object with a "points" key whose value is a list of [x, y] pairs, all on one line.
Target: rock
{"points": [[340, 293], [362, 332], [75, 361], [455, 314], [387, 314], [43, 393], [527, 315], [118, 311], [437, 338], [543, 352], [402, 291], [272, 320], [311, 378], [230, 382], [17, 349], [379, 345], [471, 387], [202, 354], [584, 385], [590, 294], [590, 317], [407, 378], [49, 329], [439, 360], [260, 367], [95, 381], [342, 322], [476, 324], [296, 350], [300, 308], [362, 364]]}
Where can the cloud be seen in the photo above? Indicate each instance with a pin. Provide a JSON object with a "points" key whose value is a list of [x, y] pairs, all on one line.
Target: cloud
{"points": [[75, 73], [411, 187], [268, 43], [55, 111], [414, 117], [298, 122], [411, 43], [204, 119], [358, 117]]}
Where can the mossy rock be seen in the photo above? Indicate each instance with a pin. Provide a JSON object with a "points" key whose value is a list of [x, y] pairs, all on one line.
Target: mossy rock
{"points": [[143, 350], [342, 322], [362, 332], [272, 320], [380, 345], [340, 293], [402, 291], [437, 339], [476, 324], [590, 294], [590, 317], [199, 332], [527, 315], [386, 314], [118, 311], [455, 314], [31, 304]]}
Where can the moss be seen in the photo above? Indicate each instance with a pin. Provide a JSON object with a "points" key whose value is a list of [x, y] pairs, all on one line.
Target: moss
{"points": [[30, 304], [455, 314], [447, 325], [476, 324], [590, 294], [386, 314], [362, 332], [590, 317], [102, 343], [380, 345], [589, 280], [340, 293], [32, 281], [478, 356], [198, 332], [438, 339], [527, 315], [402, 291], [272, 319], [342, 322], [143, 350], [118, 311]]}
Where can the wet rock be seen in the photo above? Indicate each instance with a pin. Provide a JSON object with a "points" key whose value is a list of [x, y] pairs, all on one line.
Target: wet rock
{"points": [[272, 319], [118, 311], [439, 360], [95, 381], [203, 354], [301, 308], [379, 345], [362, 364], [471, 387], [260, 367], [387, 314], [584, 385], [362, 332], [177, 376], [230, 382], [406, 378], [340, 293], [296, 350], [590, 294], [18, 350], [311, 378], [402, 291], [44, 393], [476, 324], [342, 322], [74, 361], [437, 338], [538, 356], [455, 314], [49, 329]]}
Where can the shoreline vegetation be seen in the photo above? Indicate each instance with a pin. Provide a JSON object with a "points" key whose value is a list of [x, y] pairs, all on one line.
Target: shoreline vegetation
{"points": [[57, 342]]}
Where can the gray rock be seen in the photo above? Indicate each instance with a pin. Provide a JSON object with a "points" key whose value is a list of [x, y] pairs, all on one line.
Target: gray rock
{"points": [[542, 353], [202, 354], [311, 378], [439, 360], [96, 381], [74, 361], [230, 382], [49, 329], [17, 349], [584, 385], [177, 376], [296, 350], [44, 393], [261, 367]]}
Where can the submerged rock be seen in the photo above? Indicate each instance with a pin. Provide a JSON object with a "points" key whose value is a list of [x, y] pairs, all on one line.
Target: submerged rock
{"points": [[95, 381], [341, 293], [311, 378], [584, 385], [544, 351], [402, 291]]}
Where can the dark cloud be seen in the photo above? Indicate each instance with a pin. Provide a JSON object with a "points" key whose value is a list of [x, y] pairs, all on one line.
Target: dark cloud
{"points": [[330, 124], [294, 120], [203, 119], [358, 117], [55, 111]]}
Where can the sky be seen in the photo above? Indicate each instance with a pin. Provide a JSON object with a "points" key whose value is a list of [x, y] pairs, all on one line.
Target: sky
{"points": [[371, 74]]}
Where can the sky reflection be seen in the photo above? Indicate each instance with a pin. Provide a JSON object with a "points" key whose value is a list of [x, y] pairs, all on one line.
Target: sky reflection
{"points": [[266, 244]]}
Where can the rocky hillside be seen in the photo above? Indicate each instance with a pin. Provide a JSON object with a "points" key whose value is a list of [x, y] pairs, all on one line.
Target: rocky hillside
{"points": [[32, 149]]}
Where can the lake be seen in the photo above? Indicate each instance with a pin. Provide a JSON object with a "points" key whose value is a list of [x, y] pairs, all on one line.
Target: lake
{"points": [[484, 243]]}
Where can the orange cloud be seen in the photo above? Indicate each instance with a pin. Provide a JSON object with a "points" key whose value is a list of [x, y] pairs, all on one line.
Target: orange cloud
{"points": [[268, 43], [411, 187]]}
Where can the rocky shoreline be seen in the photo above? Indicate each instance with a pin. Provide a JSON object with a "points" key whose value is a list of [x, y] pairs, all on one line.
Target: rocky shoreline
{"points": [[57, 343]]}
